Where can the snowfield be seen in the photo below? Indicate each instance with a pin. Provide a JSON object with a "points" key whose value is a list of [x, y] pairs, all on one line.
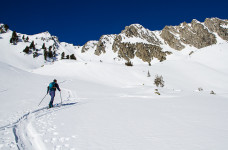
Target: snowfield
{"points": [[109, 106]]}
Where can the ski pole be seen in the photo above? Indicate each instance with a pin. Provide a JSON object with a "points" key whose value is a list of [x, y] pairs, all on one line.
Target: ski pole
{"points": [[42, 100], [61, 97]]}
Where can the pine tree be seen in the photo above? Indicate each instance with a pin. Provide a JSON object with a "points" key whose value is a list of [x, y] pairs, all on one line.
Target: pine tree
{"points": [[43, 47], [23, 37], [50, 54], [14, 38], [50, 47], [62, 55], [148, 74], [6, 27], [26, 50], [45, 54], [54, 53], [72, 57], [67, 56], [27, 39], [32, 46]]}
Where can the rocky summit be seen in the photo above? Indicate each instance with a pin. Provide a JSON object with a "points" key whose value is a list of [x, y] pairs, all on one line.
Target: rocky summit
{"points": [[137, 41]]}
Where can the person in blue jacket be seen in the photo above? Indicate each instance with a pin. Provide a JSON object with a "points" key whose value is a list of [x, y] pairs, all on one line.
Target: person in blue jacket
{"points": [[51, 89]]}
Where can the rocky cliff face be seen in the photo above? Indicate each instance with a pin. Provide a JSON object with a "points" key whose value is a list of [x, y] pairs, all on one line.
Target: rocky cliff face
{"points": [[137, 41], [218, 26], [89, 45], [195, 34], [104, 43]]}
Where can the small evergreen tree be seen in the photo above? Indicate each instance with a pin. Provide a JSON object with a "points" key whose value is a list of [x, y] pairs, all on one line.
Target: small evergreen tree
{"points": [[27, 39], [67, 56], [32, 46], [50, 54], [45, 54], [62, 55], [50, 47], [54, 53], [43, 47], [14, 38], [23, 37], [148, 74], [72, 57], [6, 27], [26, 50]]}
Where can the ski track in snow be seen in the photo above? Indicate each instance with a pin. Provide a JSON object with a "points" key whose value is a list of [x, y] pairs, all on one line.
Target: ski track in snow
{"points": [[25, 135]]}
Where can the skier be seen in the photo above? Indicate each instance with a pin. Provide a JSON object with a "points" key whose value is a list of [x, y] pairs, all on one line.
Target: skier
{"points": [[51, 89]]}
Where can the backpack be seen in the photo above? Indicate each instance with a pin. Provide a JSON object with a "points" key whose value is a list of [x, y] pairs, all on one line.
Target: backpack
{"points": [[51, 85]]}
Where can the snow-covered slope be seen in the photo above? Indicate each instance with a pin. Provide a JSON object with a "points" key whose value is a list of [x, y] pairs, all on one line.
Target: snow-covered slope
{"points": [[109, 106]]}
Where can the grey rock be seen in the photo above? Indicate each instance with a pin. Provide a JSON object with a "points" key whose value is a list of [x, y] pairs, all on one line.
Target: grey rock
{"points": [[89, 45], [196, 35], [168, 34], [216, 25]]}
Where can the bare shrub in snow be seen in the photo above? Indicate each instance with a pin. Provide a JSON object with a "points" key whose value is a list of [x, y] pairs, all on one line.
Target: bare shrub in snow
{"points": [[158, 81], [212, 92], [191, 53], [200, 89], [129, 63]]}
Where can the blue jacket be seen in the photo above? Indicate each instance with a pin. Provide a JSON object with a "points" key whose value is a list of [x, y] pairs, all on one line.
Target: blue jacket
{"points": [[56, 86]]}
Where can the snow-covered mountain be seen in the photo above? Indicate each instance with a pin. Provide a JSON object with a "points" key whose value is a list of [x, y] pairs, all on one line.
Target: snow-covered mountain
{"points": [[134, 44], [107, 105]]}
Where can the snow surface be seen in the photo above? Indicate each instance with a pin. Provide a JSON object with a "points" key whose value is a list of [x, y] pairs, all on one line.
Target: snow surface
{"points": [[109, 106]]}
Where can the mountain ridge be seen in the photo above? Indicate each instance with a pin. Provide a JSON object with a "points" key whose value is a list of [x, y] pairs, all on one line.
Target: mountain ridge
{"points": [[135, 41]]}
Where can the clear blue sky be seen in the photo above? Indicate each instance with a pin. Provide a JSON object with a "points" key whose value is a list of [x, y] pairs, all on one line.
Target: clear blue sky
{"points": [[80, 21]]}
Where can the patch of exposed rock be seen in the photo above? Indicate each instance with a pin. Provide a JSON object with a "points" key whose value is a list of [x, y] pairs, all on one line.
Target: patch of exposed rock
{"points": [[104, 43], [218, 26], [193, 34], [144, 51], [169, 36], [196, 35], [137, 30], [89, 45]]}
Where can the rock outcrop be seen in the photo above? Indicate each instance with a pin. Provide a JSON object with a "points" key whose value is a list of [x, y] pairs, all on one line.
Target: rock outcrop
{"points": [[137, 41], [169, 36], [89, 45], [104, 43], [138, 31], [193, 34], [218, 26]]}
